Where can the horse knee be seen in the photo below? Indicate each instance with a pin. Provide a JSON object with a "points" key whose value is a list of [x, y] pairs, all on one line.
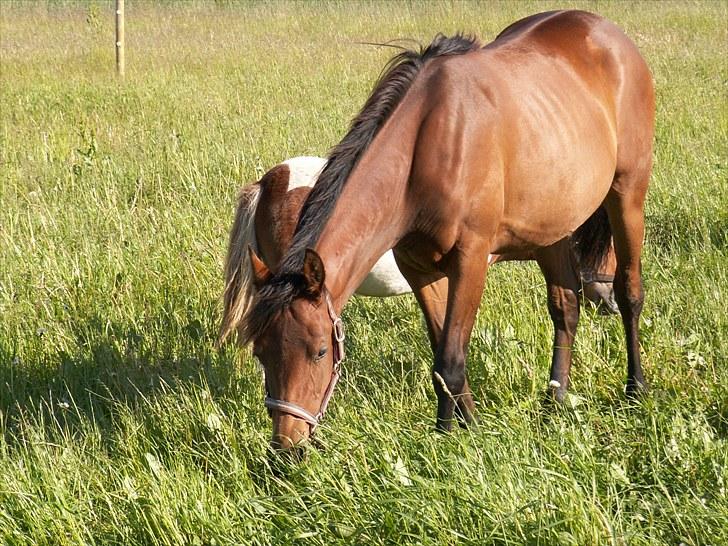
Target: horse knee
{"points": [[448, 375]]}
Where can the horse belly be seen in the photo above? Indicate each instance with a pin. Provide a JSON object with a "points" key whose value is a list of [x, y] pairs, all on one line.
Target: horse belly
{"points": [[557, 177]]}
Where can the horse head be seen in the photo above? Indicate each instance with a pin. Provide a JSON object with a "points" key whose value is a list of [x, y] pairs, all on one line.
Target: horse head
{"points": [[298, 338]]}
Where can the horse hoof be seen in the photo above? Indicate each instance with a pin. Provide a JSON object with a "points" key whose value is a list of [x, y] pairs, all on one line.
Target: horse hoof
{"points": [[469, 422], [443, 426], [636, 389], [556, 392]]}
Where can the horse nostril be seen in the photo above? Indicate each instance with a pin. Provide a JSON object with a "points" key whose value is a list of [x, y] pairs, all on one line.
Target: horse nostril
{"points": [[283, 443], [280, 444]]}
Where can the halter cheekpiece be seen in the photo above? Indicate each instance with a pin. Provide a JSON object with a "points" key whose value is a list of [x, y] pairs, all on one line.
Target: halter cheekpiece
{"points": [[337, 337]]}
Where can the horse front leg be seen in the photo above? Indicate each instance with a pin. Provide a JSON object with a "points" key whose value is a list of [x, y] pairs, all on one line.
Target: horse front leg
{"points": [[466, 272], [431, 292], [562, 284]]}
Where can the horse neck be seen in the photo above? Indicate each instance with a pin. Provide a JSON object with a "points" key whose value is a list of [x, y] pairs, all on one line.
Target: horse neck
{"points": [[371, 214]]}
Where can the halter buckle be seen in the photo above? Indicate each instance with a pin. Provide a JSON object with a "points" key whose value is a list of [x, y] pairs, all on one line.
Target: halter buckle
{"points": [[339, 337]]}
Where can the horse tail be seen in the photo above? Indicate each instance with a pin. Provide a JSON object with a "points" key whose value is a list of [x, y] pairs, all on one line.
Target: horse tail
{"points": [[591, 241], [238, 293]]}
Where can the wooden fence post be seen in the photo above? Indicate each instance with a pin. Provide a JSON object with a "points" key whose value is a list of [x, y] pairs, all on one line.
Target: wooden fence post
{"points": [[120, 37]]}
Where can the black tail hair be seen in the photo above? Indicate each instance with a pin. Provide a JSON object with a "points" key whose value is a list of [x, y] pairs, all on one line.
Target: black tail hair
{"points": [[592, 239]]}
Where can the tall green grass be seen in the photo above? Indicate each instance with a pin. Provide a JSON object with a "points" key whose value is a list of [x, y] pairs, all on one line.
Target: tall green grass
{"points": [[121, 424]]}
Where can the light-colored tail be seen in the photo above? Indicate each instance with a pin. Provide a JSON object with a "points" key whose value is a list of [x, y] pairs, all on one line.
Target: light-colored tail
{"points": [[238, 293]]}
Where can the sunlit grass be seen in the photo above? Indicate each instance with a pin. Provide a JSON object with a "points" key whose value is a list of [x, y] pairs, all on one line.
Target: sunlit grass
{"points": [[122, 424]]}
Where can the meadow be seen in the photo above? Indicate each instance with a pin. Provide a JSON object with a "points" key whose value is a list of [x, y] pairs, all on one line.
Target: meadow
{"points": [[121, 423]]}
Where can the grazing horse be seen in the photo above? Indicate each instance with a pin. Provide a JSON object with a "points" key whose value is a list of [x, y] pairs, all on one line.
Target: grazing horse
{"points": [[266, 218], [462, 151]]}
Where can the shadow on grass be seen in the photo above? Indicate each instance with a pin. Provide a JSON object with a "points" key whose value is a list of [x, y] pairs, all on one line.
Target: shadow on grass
{"points": [[112, 366]]}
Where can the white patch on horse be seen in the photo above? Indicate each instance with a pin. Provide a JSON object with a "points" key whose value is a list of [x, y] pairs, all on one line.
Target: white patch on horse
{"points": [[384, 279], [555, 384], [305, 170]]}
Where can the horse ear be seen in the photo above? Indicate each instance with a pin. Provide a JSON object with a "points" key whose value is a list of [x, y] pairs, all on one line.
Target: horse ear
{"points": [[261, 273], [313, 273]]}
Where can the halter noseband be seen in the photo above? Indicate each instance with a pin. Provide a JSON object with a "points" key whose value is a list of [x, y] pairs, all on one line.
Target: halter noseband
{"points": [[297, 411], [589, 276]]}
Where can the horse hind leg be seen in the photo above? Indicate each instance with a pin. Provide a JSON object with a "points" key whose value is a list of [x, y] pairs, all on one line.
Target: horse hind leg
{"points": [[635, 109], [625, 207], [562, 284]]}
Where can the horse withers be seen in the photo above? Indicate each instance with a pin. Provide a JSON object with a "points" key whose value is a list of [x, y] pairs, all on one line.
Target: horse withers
{"points": [[462, 151]]}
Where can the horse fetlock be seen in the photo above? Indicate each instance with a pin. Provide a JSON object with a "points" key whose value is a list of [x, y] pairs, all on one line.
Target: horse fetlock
{"points": [[557, 390], [443, 426], [465, 412], [455, 402], [445, 413]]}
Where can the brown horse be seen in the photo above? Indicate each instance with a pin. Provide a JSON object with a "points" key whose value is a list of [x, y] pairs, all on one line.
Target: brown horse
{"points": [[463, 151], [266, 218]]}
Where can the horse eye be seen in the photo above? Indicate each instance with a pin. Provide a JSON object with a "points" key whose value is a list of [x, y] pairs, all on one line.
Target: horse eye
{"points": [[321, 354]]}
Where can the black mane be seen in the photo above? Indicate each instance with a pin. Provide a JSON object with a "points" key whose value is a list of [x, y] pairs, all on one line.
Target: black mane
{"points": [[396, 79]]}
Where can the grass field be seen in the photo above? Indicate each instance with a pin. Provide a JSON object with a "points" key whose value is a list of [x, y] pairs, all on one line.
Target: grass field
{"points": [[120, 423]]}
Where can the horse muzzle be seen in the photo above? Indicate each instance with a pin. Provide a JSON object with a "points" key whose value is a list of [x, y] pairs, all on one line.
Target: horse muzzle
{"points": [[288, 432]]}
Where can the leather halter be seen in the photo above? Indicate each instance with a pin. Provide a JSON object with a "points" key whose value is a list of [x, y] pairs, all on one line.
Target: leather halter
{"points": [[337, 337], [590, 276]]}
